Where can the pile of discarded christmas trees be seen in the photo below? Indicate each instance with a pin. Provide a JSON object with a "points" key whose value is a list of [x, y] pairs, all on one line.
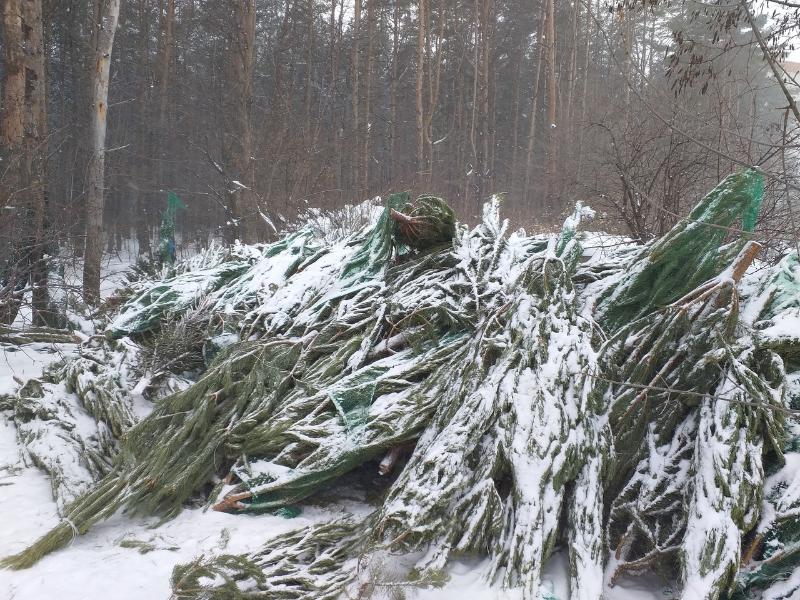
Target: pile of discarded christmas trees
{"points": [[630, 403]]}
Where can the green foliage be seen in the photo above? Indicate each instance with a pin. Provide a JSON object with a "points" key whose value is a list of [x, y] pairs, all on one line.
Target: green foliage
{"points": [[425, 223], [374, 252], [688, 255]]}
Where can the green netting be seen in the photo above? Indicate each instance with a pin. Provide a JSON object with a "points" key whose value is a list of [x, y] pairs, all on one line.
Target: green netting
{"points": [[689, 254], [372, 255], [170, 296], [166, 244], [355, 393], [776, 559]]}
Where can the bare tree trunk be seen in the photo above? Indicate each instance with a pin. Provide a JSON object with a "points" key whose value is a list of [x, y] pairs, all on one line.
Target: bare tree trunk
{"points": [[164, 60], [106, 28], [534, 107], [435, 78], [584, 92], [23, 132], [12, 118], [354, 100], [552, 117], [568, 112], [475, 74], [140, 199], [368, 96], [240, 141], [420, 78], [393, 129], [14, 271], [484, 169], [309, 131], [515, 97], [335, 126]]}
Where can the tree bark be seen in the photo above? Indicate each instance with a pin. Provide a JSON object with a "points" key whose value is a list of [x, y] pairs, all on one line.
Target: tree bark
{"points": [[515, 101], [552, 116], [140, 198], [484, 168], [534, 107], [164, 60], [435, 77], [368, 96], [244, 207], [393, 125], [23, 132], [585, 90], [106, 28], [354, 98], [418, 82]]}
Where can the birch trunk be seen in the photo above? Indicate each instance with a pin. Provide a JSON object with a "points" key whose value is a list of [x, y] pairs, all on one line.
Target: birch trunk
{"points": [[106, 28]]}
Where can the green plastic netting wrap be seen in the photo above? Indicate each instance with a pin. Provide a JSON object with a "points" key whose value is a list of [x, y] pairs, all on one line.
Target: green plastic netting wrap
{"points": [[166, 234], [689, 254]]}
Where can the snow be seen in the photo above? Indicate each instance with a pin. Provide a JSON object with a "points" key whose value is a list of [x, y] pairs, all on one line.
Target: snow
{"points": [[95, 565], [17, 365], [786, 329]]}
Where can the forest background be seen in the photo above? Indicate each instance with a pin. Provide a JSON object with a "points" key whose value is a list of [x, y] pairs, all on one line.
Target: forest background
{"points": [[254, 111]]}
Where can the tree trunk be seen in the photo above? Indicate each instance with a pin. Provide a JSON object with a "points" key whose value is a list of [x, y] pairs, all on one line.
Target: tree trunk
{"points": [[552, 117], [140, 198], [336, 126], [393, 128], [23, 132], [435, 77], [582, 123], [106, 28], [368, 96], [472, 124], [420, 78], [519, 56], [534, 108], [568, 112], [484, 168], [354, 99], [164, 60], [240, 139]]}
